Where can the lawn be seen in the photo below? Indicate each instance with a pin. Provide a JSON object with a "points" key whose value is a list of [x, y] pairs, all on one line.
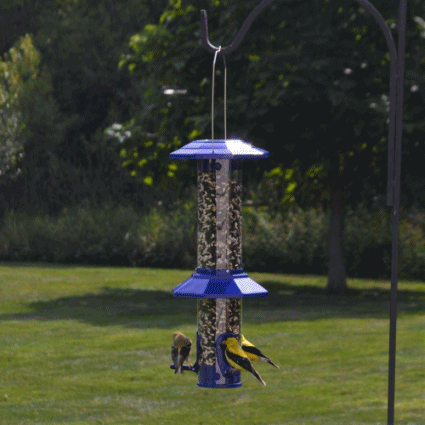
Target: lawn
{"points": [[91, 345]]}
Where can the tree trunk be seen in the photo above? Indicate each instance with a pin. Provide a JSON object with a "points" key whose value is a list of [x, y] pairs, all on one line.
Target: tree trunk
{"points": [[337, 282]]}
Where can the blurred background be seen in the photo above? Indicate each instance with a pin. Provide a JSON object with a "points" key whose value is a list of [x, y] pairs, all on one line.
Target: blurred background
{"points": [[94, 95]]}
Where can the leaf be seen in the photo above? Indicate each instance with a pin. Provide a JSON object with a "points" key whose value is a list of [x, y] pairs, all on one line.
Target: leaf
{"points": [[275, 172], [148, 180]]}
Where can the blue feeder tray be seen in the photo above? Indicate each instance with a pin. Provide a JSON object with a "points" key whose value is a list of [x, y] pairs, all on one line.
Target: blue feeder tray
{"points": [[225, 149], [208, 376], [208, 283]]}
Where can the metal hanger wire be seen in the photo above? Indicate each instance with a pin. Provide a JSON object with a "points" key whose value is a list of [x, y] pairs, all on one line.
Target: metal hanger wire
{"points": [[212, 97]]}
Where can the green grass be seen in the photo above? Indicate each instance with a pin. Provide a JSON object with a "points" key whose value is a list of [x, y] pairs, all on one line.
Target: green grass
{"points": [[91, 345]]}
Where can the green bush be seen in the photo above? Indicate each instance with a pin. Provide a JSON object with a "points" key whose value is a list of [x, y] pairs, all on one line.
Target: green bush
{"points": [[14, 237], [412, 246], [368, 244], [78, 235], [167, 239], [293, 242]]}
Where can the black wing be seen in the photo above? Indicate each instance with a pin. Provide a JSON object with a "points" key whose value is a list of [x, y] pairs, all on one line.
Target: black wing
{"points": [[257, 352], [252, 350], [174, 354], [185, 350], [243, 362]]}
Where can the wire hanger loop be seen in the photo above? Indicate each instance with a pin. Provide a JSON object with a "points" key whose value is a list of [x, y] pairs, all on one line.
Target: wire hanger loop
{"points": [[212, 97]]}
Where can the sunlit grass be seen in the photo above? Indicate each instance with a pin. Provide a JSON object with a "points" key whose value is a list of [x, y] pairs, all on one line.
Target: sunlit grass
{"points": [[91, 345]]}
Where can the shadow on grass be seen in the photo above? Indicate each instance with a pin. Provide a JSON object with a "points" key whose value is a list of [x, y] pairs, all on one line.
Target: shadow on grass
{"points": [[130, 307], [150, 308], [291, 302]]}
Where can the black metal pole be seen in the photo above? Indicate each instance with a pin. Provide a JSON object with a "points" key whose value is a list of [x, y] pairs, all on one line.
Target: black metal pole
{"points": [[396, 211], [394, 147]]}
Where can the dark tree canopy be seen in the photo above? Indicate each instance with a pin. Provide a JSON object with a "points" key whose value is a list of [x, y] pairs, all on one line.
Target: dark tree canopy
{"points": [[66, 158], [310, 81]]}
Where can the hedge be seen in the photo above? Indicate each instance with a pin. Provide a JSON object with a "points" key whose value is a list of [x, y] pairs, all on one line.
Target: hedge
{"points": [[293, 242]]}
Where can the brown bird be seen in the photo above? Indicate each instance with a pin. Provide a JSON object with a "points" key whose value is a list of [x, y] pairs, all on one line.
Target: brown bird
{"points": [[180, 350]]}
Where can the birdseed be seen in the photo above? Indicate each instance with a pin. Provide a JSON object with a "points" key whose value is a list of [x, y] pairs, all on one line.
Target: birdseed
{"points": [[207, 225], [216, 317], [219, 247], [219, 214], [207, 331]]}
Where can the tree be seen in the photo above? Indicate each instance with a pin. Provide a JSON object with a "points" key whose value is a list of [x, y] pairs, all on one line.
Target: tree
{"points": [[18, 71], [67, 159], [313, 74]]}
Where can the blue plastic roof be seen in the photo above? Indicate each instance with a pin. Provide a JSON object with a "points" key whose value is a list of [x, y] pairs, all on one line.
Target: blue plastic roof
{"points": [[206, 283], [228, 149]]}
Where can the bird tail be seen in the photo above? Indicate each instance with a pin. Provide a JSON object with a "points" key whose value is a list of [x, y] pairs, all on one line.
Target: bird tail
{"points": [[267, 360], [257, 375], [275, 365]]}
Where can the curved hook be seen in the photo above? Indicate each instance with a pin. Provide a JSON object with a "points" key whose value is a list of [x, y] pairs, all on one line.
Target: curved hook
{"points": [[393, 72], [239, 37], [256, 11]]}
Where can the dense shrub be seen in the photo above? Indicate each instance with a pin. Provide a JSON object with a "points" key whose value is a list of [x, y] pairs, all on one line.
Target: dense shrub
{"points": [[412, 246], [78, 235], [368, 244], [294, 242], [167, 240]]}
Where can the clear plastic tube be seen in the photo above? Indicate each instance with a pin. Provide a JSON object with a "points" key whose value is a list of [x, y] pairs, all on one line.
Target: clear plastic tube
{"points": [[219, 247], [219, 214]]}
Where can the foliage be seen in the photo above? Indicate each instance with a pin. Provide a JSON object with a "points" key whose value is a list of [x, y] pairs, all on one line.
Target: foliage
{"points": [[368, 243], [294, 242], [412, 245], [78, 235], [66, 158], [19, 73], [291, 243], [278, 84], [276, 79], [167, 241]]}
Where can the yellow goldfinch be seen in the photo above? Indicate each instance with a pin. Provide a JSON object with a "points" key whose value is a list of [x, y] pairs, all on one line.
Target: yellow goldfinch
{"points": [[253, 353], [236, 357], [180, 350]]}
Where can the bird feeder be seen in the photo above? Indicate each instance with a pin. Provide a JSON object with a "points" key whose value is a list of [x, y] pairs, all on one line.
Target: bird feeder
{"points": [[219, 282]]}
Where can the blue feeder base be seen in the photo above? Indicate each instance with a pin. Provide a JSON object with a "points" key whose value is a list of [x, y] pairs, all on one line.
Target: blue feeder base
{"points": [[209, 378], [221, 375]]}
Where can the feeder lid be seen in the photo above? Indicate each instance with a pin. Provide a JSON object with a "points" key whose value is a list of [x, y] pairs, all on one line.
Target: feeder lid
{"points": [[228, 149], [208, 283]]}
